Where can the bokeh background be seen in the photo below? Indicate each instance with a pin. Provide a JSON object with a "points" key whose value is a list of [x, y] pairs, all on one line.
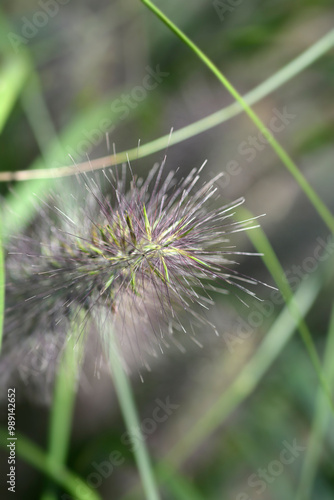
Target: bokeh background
{"points": [[77, 74]]}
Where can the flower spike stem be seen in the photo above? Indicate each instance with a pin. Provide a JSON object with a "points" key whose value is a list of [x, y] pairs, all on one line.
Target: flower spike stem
{"points": [[63, 401], [321, 208], [127, 404]]}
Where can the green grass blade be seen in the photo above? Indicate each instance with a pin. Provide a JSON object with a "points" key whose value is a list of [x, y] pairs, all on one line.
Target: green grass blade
{"points": [[320, 424], [263, 246], [38, 115], [37, 458], [63, 401], [13, 75], [64, 397], [128, 407], [179, 487], [244, 384], [20, 209], [262, 90], [321, 208]]}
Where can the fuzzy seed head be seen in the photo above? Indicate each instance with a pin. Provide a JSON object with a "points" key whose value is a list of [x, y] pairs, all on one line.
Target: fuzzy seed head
{"points": [[151, 254]]}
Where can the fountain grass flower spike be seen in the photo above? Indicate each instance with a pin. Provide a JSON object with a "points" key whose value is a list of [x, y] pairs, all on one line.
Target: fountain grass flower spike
{"points": [[150, 253]]}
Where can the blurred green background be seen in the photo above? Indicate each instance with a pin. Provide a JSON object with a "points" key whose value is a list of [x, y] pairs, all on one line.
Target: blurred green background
{"points": [[72, 72]]}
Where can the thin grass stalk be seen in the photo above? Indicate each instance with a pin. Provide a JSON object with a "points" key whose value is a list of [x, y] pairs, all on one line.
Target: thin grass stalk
{"points": [[63, 403], [128, 406], [265, 88], [37, 458], [262, 244], [320, 424], [249, 378], [316, 201], [242, 387], [38, 116]]}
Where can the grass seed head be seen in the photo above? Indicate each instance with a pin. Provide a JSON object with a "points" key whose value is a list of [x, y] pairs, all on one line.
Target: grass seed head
{"points": [[151, 254]]}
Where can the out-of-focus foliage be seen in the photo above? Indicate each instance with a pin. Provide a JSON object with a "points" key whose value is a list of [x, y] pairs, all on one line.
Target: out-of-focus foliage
{"points": [[72, 74]]}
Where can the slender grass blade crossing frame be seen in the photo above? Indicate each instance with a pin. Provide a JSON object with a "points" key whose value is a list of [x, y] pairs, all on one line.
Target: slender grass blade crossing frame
{"points": [[35, 457], [323, 211]]}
